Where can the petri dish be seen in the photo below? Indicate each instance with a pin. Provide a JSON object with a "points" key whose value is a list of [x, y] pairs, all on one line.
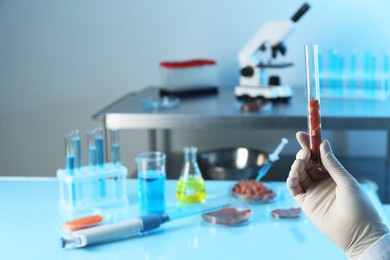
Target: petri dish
{"points": [[163, 103], [252, 191], [230, 216], [286, 213], [253, 106]]}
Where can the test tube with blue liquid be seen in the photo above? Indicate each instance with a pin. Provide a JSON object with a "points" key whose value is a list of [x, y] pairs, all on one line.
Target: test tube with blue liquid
{"points": [[373, 72], [340, 72], [333, 65], [151, 182], [76, 148], [92, 162], [69, 163], [99, 144], [92, 150], [385, 67], [115, 148], [76, 143], [352, 72], [115, 158], [369, 70], [69, 153], [321, 69]]}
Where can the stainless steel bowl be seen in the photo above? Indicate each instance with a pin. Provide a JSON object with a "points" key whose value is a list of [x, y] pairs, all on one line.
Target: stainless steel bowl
{"points": [[231, 163]]}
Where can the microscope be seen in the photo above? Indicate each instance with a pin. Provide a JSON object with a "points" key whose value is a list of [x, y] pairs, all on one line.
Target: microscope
{"points": [[253, 81]]}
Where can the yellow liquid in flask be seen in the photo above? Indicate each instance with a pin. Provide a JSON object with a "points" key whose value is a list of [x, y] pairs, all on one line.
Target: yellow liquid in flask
{"points": [[191, 190]]}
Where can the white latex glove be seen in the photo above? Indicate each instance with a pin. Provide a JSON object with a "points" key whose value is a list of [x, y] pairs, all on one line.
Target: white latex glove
{"points": [[334, 201]]}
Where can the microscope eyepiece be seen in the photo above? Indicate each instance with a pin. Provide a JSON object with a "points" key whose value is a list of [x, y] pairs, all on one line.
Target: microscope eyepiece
{"points": [[301, 11]]}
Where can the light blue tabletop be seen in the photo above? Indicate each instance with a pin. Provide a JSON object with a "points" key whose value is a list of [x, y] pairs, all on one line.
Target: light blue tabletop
{"points": [[29, 224]]}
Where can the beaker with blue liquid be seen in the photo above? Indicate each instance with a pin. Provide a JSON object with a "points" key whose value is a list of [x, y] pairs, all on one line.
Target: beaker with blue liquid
{"points": [[151, 182]]}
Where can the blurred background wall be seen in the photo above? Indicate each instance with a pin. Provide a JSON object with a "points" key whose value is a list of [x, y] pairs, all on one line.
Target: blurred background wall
{"points": [[62, 61]]}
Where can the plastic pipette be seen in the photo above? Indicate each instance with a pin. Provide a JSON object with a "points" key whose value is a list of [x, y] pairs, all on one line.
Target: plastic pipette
{"points": [[271, 159], [127, 228]]}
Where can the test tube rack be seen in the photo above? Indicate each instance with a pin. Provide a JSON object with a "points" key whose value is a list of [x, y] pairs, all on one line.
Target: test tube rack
{"points": [[358, 85], [92, 187], [354, 77]]}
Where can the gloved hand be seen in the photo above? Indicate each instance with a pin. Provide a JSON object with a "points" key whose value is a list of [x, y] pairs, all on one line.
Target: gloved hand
{"points": [[334, 201]]}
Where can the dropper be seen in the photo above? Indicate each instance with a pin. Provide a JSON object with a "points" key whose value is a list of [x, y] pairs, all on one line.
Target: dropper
{"points": [[127, 228], [273, 157]]}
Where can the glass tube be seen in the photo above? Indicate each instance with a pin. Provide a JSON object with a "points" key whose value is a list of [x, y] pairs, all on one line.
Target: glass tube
{"points": [[99, 143], [92, 152], [115, 148], [352, 70], [313, 100], [76, 148], [69, 153], [69, 161], [385, 67]]}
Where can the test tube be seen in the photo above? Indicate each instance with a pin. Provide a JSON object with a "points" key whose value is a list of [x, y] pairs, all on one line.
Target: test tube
{"points": [[352, 70], [76, 148], [115, 158], [92, 162], [115, 148], [340, 71], [92, 151], [367, 70], [372, 74], [69, 154], [99, 143], [69, 162], [385, 67], [75, 134], [100, 158], [332, 66], [313, 99]]}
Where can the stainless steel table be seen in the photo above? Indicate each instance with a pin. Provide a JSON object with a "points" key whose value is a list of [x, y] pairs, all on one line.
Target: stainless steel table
{"points": [[218, 111]]}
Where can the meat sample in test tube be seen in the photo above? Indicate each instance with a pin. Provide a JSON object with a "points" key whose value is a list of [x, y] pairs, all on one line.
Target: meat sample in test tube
{"points": [[313, 103], [314, 118]]}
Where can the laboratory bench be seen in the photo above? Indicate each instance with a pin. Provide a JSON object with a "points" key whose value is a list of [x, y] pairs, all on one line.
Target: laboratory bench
{"points": [[220, 112], [30, 228]]}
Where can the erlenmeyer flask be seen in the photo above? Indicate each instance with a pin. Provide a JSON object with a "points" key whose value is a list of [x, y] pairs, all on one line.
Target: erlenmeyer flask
{"points": [[190, 187]]}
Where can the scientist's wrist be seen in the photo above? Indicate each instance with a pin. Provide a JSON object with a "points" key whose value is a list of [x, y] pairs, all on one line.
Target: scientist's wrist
{"points": [[379, 250], [366, 241]]}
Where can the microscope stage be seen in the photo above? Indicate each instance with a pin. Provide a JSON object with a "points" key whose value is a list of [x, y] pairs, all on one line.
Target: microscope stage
{"points": [[274, 93]]}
